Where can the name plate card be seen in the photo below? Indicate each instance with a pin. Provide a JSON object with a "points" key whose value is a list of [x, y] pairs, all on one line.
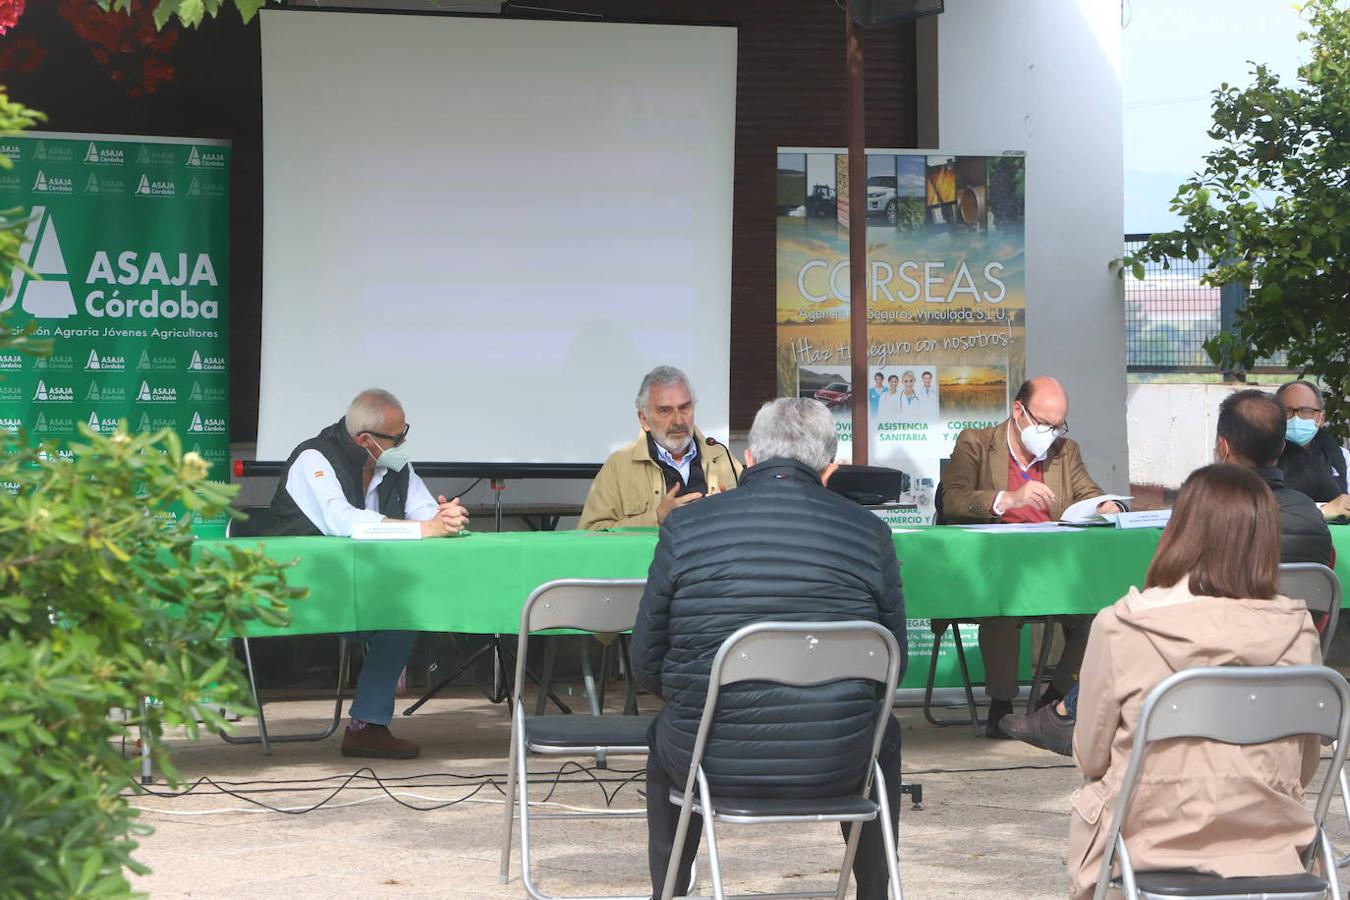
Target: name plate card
{"points": [[1150, 518], [387, 531]]}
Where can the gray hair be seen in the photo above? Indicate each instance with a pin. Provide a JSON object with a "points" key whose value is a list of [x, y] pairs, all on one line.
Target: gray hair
{"points": [[366, 412], [794, 428], [662, 376]]}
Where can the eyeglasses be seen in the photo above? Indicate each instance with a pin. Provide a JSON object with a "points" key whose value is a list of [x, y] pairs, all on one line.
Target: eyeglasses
{"points": [[1057, 430], [398, 439], [1303, 412]]}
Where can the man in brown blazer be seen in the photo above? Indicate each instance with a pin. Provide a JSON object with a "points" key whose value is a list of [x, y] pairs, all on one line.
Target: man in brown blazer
{"points": [[1023, 469]]}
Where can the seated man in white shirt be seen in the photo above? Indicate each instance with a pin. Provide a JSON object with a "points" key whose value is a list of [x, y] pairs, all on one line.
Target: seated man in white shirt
{"points": [[357, 470]]}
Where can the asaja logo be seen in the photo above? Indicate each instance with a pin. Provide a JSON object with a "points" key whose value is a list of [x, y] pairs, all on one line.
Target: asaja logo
{"points": [[200, 363], [50, 297], [160, 188], [148, 363], [55, 363], [205, 187], [206, 425], [106, 425], [10, 183], [46, 393], [105, 185], [45, 424], [11, 424], [148, 394], [104, 156], [110, 394], [57, 153], [210, 394], [11, 152], [105, 363], [11, 394], [155, 156], [53, 184], [11, 361], [155, 423], [211, 454], [205, 159]]}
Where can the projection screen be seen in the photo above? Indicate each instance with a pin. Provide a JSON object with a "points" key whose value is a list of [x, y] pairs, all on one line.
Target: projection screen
{"points": [[504, 222]]}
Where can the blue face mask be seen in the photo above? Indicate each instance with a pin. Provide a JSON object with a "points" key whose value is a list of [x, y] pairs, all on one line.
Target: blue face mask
{"points": [[1300, 431]]}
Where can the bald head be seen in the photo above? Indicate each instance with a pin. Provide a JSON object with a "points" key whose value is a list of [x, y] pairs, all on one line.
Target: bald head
{"points": [[1045, 399]]}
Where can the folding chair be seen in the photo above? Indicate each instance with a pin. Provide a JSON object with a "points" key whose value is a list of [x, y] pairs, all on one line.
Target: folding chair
{"points": [[593, 605], [1276, 702], [259, 524], [800, 654], [1318, 586]]}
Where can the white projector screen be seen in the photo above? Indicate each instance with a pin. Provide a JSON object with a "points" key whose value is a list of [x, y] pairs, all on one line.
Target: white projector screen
{"points": [[504, 222]]}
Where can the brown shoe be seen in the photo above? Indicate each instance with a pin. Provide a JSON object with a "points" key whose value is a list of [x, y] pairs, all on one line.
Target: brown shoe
{"points": [[1045, 728], [375, 742]]}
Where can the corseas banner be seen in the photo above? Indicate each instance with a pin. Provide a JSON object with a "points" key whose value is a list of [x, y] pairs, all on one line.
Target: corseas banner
{"points": [[946, 300], [128, 240]]}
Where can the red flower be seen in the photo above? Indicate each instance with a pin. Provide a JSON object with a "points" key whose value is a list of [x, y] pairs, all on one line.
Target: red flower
{"points": [[126, 44], [10, 10]]}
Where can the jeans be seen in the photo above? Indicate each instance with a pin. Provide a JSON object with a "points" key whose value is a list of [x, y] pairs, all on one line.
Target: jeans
{"points": [[386, 655], [1071, 702], [869, 865]]}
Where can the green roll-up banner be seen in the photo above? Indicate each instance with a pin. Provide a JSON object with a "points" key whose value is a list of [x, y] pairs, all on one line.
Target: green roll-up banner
{"points": [[129, 240]]}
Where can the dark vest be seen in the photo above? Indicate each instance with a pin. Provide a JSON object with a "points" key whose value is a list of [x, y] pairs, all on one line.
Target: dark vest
{"points": [[1318, 469], [1304, 536], [698, 482], [348, 460]]}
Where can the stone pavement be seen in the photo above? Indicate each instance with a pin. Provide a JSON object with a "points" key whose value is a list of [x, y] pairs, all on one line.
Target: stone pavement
{"points": [[992, 825]]}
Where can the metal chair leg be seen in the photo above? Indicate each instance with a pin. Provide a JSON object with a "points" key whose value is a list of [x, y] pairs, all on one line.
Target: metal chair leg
{"points": [[1042, 663], [504, 872], [971, 708], [267, 740]]}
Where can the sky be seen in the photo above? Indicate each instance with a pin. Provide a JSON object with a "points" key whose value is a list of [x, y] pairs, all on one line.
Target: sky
{"points": [[1175, 53]]}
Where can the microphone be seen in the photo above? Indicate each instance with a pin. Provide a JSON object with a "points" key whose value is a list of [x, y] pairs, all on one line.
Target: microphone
{"points": [[714, 442]]}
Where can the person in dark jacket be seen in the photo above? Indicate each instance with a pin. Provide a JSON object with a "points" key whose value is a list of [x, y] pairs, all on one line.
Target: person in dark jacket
{"points": [[1313, 460], [358, 470], [780, 548], [1250, 433]]}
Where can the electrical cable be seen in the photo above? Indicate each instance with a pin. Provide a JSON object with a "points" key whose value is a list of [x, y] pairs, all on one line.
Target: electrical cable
{"points": [[390, 788]]}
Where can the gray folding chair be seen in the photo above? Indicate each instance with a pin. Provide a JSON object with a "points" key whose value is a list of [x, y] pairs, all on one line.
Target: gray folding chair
{"points": [[800, 654], [593, 605], [258, 524], [1276, 702], [1318, 586]]}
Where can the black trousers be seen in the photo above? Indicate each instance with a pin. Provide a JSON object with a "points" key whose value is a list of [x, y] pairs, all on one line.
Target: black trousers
{"points": [[869, 865]]}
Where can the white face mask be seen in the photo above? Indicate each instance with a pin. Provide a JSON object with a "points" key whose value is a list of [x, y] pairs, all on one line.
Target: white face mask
{"points": [[393, 459], [1038, 440]]}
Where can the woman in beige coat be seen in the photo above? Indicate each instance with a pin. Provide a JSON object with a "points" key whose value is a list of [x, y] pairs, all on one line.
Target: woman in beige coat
{"points": [[1209, 600]]}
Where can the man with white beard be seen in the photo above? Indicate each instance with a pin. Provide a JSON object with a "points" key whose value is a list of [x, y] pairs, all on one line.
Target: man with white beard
{"points": [[669, 465]]}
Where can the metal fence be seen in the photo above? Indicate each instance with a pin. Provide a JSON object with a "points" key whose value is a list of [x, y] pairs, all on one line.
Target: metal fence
{"points": [[1170, 314]]}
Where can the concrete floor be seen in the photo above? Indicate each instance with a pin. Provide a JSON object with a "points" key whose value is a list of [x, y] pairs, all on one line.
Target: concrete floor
{"points": [[992, 825]]}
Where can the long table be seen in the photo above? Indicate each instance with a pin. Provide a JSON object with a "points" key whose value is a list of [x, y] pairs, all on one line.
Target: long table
{"points": [[476, 584]]}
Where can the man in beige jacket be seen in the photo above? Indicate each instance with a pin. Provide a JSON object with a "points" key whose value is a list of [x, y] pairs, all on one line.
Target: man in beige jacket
{"points": [[1024, 469], [669, 465]]}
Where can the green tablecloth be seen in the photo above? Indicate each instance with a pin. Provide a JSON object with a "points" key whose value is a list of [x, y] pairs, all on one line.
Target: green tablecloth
{"points": [[477, 584]]}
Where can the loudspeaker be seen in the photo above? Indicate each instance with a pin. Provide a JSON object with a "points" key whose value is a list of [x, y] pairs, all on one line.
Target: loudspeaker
{"points": [[868, 485], [879, 13]]}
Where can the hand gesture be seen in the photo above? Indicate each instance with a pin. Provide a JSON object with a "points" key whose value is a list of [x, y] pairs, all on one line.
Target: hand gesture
{"points": [[453, 514], [670, 501], [1034, 494]]}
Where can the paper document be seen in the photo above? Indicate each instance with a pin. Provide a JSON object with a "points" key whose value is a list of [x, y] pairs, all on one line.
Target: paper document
{"points": [[1016, 527], [1084, 512]]}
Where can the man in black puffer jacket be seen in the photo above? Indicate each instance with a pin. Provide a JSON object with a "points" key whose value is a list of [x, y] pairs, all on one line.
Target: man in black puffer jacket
{"points": [[780, 548]]}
